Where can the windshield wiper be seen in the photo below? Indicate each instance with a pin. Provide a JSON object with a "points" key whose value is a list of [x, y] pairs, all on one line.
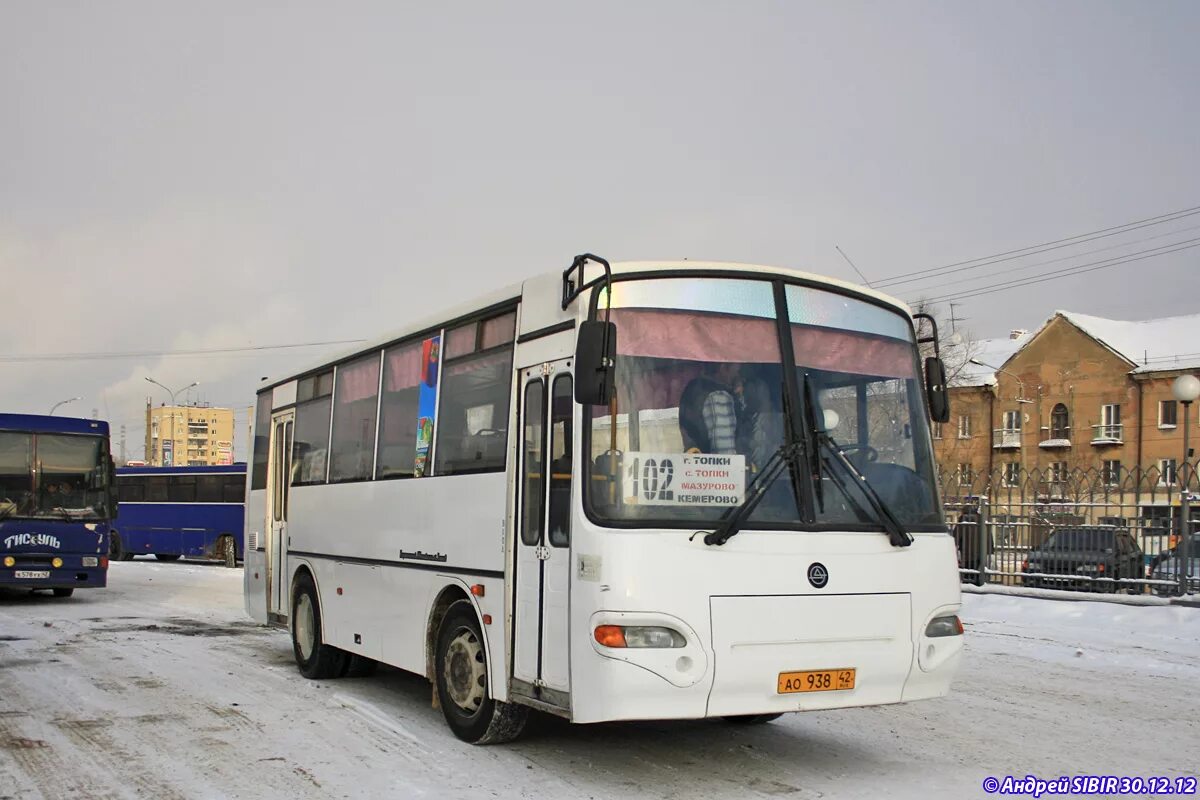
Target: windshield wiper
{"points": [[895, 530], [731, 524]]}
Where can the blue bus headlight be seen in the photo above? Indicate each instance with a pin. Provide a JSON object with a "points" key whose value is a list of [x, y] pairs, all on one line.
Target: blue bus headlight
{"points": [[91, 561]]}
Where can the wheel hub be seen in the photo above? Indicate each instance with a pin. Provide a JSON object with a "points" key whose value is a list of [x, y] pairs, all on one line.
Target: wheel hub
{"points": [[464, 671], [305, 626]]}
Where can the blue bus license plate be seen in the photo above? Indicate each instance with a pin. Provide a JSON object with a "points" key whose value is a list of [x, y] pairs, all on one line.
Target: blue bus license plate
{"points": [[32, 573]]}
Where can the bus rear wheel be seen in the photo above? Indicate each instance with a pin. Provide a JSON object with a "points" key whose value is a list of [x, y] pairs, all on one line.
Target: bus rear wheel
{"points": [[227, 551], [315, 659], [167, 556], [461, 675], [116, 548]]}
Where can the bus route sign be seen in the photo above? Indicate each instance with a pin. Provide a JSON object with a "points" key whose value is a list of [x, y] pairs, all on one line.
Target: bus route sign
{"points": [[684, 479]]}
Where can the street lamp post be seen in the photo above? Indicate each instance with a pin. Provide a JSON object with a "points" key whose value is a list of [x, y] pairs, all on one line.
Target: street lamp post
{"points": [[1185, 389], [173, 395], [54, 407], [1020, 383]]}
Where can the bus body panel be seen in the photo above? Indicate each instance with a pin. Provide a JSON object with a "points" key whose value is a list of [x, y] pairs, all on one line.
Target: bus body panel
{"points": [[254, 576], [457, 521], [34, 543], [176, 526], [756, 615]]}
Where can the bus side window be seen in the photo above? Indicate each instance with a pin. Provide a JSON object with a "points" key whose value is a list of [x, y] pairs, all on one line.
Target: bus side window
{"points": [[234, 489], [156, 489], [208, 488], [131, 488], [182, 489]]}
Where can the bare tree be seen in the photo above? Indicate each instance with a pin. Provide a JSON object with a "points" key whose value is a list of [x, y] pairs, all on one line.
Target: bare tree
{"points": [[957, 347]]}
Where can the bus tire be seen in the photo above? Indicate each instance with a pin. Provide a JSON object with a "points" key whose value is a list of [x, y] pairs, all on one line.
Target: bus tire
{"points": [[753, 719], [461, 676], [316, 660], [167, 556], [227, 551], [116, 548], [67, 592], [359, 666]]}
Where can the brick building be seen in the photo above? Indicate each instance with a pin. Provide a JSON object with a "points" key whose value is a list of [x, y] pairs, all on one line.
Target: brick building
{"points": [[1082, 394], [194, 435]]}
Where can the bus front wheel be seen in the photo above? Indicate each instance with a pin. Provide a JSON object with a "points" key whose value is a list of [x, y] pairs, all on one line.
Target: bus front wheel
{"points": [[315, 659], [461, 675], [116, 548]]}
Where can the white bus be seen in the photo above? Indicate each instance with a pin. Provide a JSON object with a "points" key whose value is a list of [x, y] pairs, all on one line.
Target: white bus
{"points": [[656, 491]]}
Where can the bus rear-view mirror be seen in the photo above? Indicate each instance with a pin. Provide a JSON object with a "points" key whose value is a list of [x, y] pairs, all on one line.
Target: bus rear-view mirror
{"points": [[595, 362], [935, 390]]}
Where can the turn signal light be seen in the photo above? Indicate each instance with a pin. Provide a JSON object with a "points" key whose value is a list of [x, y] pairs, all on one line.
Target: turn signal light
{"points": [[944, 626], [1099, 568], [610, 635], [638, 636], [9, 561], [56, 562]]}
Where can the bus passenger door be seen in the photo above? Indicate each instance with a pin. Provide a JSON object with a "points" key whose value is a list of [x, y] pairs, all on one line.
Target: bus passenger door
{"points": [[279, 482], [542, 563]]}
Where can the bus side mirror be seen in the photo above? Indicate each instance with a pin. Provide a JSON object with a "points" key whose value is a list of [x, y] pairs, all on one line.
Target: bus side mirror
{"points": [[595, 362], [935, 390]]}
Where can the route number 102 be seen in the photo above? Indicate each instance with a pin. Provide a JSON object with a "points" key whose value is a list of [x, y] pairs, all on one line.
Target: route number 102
{"points": [[651, 479]]}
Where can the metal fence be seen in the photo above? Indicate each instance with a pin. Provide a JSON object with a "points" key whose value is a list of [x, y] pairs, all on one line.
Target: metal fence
{"points": [[1087, 530]]}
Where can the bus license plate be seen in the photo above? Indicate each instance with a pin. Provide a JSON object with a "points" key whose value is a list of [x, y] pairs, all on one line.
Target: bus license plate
{"points": [[821, 680], [32, 573]]}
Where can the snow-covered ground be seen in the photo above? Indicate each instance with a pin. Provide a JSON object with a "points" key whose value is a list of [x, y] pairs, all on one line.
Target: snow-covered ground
{"points": [[159, 687]]}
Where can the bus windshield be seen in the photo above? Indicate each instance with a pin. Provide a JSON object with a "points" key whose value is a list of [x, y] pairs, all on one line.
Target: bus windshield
{"points": [[700, 406], [53, 476]]}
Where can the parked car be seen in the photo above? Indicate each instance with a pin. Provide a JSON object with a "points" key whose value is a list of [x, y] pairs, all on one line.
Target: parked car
{"points": [[1084, 558], [1172, 550], [1168, 570]]}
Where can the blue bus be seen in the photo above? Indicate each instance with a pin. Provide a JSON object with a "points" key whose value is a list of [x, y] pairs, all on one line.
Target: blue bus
{"points": [[56, 502], [169, 512]]}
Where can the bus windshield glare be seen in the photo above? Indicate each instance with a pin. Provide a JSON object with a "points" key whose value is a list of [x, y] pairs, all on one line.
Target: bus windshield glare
{"points": [[700, 406], [53, 476]]}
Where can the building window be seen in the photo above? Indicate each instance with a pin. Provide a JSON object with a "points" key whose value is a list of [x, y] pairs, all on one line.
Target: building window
{"points": [[1110, 422], [1167, 413], [964, 427], [1012, 421], [1111, 473], [966, 475], [1060, 423], [1012, 473], [937, 430], [1166, 471], [1059, 476]]}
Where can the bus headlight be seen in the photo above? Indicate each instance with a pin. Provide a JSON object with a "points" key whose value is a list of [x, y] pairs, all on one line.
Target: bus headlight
{"points": [[56, 562], [9, 561], [944, 626], [91, 561], [638, 636]]}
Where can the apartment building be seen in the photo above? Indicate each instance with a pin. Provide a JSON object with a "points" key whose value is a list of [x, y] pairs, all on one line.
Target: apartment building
{"points": [[1082, 393], [193, 435]]}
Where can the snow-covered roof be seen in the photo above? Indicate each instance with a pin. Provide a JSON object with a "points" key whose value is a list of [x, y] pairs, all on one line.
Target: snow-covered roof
{"points": [[990, 351], [1151, 345]]}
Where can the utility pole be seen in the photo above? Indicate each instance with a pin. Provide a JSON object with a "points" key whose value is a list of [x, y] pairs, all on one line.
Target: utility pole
{"points": [[123, 459]]}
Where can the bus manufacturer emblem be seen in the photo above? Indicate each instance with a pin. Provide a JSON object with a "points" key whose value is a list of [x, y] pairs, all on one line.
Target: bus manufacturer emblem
{"points": [[818, 576]]}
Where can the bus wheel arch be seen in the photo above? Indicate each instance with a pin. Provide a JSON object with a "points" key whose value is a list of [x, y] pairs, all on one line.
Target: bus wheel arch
{"points": [[463, 684], [315, 659], [447, 597]]}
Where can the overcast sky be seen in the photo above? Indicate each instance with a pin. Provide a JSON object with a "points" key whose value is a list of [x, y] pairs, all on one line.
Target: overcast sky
{"points": [[203, 175]]}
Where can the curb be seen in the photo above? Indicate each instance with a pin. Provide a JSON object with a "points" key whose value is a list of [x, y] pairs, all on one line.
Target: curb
{"points": [[1081, 597]]}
